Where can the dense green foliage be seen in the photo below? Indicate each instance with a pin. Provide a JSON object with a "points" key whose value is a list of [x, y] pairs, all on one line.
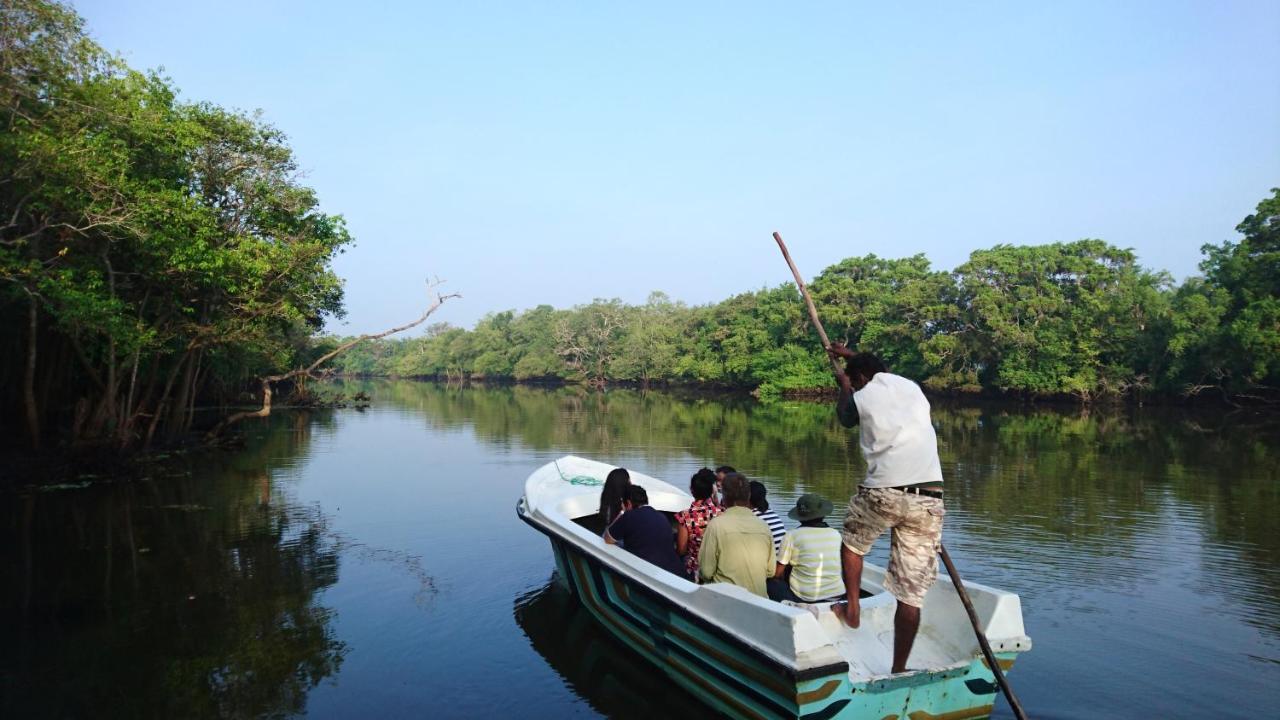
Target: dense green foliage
{"points": [[155, 251], [1081, 319], [151, 249]]}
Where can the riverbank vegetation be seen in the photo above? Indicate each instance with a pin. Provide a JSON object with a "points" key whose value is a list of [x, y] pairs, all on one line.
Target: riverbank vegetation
{"points": [[152, 250], [1081, 319], [158, 255]]}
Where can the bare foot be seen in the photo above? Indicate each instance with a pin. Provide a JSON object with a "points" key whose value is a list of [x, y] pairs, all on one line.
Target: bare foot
{"points": [[848, 614]]}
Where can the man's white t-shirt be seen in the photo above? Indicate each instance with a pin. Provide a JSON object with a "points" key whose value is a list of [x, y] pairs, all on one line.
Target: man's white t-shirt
{"points": [[897, 436]]}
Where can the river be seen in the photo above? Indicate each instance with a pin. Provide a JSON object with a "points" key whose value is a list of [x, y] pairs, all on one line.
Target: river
{"points": [[369, 563]]}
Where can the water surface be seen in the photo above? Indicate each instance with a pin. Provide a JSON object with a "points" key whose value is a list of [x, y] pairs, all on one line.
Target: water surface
{"points": [[352, 563]]}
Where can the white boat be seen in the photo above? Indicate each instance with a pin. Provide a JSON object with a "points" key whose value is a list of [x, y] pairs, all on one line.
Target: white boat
{"points": [[750, 657]]}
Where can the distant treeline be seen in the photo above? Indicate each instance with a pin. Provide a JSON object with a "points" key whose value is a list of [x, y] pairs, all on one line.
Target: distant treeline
{"points": [[1079, 319], [157, 255], [152, 251]]}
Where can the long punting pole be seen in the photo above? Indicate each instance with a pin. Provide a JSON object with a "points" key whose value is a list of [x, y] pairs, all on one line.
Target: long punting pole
{"points": [[1018, 712], [992, 662], [804, 291]]}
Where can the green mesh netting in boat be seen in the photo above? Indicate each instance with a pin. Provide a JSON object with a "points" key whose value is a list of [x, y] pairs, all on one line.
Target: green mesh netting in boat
{"points": [[577, 479]]}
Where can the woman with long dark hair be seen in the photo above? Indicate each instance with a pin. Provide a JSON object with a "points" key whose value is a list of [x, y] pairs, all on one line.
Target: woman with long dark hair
{"points": [[614, 492]]}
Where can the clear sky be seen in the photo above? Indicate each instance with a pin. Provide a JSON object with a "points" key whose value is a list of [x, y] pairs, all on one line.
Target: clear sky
{"points": [[541, 152]]}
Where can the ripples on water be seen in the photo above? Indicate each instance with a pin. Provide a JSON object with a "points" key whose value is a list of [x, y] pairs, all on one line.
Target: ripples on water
{"points": [[356, 564]]}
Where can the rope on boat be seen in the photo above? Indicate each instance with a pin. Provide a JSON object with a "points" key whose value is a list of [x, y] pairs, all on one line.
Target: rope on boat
{"points": [[577, 479]]}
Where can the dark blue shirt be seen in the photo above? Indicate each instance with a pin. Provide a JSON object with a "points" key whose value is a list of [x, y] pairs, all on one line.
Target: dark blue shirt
{"points": [[647, 533]]}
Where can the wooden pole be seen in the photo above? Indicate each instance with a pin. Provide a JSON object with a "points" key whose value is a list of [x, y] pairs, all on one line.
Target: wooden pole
{"points": [[994, 664], [813, 311]]}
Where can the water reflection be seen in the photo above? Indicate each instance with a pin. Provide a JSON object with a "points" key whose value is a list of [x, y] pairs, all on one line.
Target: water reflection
{"points": [[1144, 544], [190, 593], [1098, 482], [1145, 537], [612, 678]]}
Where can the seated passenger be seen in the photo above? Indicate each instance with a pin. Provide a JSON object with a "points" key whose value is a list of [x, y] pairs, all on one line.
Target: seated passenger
{"points": [[721, 471], [613, 495], [737, 546], [760, 506], [645, 532], [693, 522], [813, 553]]}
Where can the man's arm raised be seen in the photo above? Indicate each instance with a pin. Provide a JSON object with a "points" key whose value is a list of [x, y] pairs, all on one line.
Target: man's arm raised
{"points": [[846, 409]]}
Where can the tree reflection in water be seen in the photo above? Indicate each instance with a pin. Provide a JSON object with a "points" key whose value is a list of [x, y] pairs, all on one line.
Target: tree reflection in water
{"points": [[204, 590], [172, 596], [1027, 483]]}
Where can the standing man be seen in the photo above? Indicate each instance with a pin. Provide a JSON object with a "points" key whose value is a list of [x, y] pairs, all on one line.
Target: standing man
{"points": [[737, 547], [902, 491]]}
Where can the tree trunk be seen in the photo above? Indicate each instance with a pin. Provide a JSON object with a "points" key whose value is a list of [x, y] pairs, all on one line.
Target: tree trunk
{"points": [[113, 377], [141, 400], [126, 412], [162, 403], [178, 408], [196, 378], [29, 376]]}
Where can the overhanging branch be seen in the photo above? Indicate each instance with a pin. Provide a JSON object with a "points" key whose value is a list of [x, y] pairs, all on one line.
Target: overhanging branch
{"points": [[270, 380]]}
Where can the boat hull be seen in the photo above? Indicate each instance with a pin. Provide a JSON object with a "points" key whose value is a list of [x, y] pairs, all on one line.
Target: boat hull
{"points": [[740, 681]]}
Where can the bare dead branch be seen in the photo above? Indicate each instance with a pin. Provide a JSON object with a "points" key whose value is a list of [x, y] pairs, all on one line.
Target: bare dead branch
{"points": [[269, 381]]}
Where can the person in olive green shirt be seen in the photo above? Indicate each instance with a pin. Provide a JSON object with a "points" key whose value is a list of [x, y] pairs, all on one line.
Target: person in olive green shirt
{"points": [[737, 547]]}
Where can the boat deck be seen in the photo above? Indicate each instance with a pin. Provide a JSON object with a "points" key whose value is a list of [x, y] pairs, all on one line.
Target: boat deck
{"points": [[869, 649]]}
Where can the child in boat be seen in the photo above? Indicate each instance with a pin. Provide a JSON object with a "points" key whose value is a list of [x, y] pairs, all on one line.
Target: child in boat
{"points": [[613, 494], [693, 522], [645, 533], [760, 506], [813, 553]]}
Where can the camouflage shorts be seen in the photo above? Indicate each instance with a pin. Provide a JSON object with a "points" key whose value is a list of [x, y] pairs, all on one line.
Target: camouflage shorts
{"points": [[917, 532]]}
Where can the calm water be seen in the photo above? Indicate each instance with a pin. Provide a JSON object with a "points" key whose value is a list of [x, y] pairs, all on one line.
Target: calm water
{"points": [[370, 564]]}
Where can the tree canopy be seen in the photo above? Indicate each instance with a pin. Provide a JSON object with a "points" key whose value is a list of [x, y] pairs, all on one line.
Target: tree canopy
{"points": [[157, 252], [1081, 319], [152, 249]]}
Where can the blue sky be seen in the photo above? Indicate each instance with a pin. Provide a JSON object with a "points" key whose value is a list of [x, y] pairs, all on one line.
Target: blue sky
{"points": [[556, 152]]}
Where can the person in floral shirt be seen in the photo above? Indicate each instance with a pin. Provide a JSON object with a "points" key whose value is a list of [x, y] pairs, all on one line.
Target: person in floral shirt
{"points": [[693, 522]]}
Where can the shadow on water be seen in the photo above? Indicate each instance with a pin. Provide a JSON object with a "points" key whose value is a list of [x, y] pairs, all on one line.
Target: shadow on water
{"points": [[612, 678], [191, 593]]}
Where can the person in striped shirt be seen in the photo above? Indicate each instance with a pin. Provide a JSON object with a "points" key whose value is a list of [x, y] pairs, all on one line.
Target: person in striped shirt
{"points": [[760, 506], [813, 552]]}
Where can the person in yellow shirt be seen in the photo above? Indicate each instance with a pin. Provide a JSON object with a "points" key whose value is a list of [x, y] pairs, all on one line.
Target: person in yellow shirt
{"points": [[737, 547], [812, 551]]}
